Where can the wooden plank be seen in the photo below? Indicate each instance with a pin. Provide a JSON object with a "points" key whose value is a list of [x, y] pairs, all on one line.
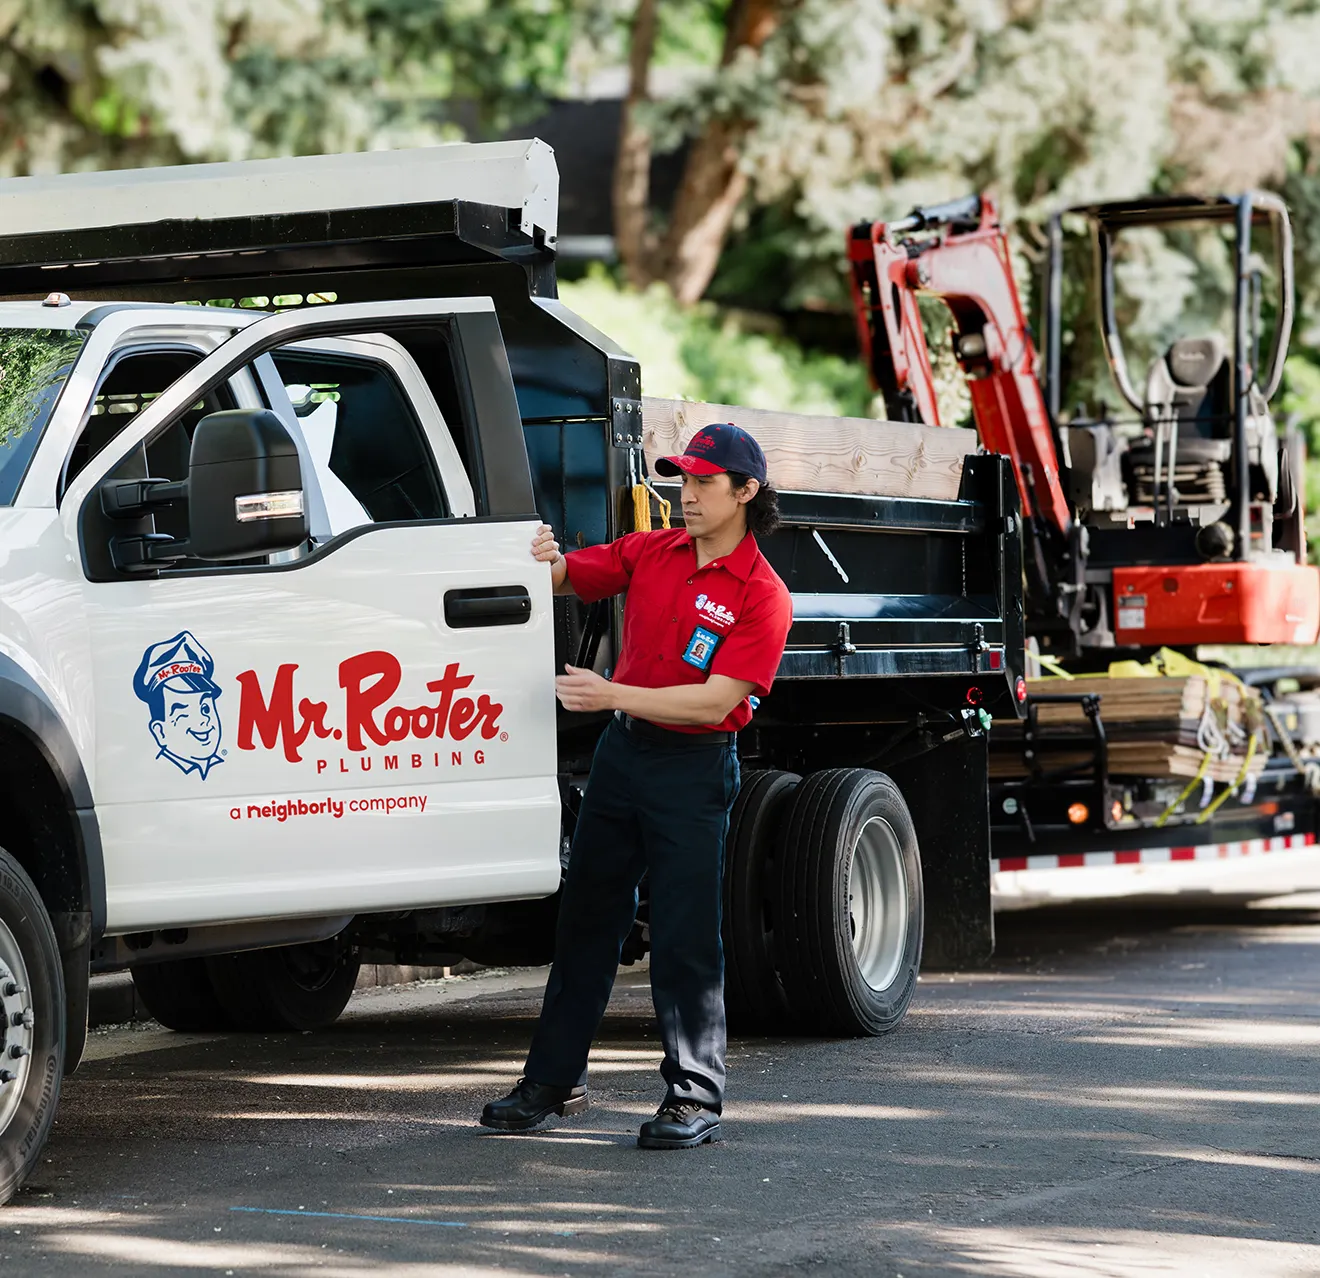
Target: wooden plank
{"points": [[825, 454], [1151, 725]]}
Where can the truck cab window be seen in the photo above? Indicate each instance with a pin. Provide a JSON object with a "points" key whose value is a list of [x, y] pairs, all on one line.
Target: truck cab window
{"points": [[133, 381], [361, 428], [34, 363]]}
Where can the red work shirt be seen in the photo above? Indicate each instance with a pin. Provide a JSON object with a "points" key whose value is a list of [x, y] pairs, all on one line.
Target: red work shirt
{"points": [[681, 623]]}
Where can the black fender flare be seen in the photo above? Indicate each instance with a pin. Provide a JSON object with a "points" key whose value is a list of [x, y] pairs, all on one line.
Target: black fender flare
{"points": [[25, 706]]}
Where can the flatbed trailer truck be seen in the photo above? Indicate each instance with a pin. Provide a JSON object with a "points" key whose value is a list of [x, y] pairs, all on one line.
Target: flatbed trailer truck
{"points": [[276, 663]]}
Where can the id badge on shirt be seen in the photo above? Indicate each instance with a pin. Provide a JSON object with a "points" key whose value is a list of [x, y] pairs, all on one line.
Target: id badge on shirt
{"points": [[701, 648]]}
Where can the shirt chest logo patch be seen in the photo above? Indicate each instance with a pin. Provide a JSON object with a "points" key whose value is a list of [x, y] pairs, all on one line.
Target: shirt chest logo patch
{"points": [[701, 648], [716, 613]]}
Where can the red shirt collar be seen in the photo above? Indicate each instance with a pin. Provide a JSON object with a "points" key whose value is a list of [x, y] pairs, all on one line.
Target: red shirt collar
{"points": [[739, 561]]}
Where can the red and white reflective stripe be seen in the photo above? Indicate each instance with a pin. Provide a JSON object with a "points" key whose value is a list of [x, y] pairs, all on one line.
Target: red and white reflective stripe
{"points": [[1153, 856]]}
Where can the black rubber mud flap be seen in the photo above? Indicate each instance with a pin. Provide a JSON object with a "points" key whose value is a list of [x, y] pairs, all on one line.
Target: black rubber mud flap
{"points": [[948, 794]]}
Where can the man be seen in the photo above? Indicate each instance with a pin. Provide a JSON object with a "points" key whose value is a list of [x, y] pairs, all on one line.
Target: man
{"points": [[704, 628], [174, 680]]}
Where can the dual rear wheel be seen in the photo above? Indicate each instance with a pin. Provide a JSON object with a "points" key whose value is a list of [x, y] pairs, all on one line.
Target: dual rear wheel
{"points": [[823, 904]]}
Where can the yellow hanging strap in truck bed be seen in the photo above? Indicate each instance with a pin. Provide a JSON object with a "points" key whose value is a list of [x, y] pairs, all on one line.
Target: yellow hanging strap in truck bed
{"points": [[641, 496]]}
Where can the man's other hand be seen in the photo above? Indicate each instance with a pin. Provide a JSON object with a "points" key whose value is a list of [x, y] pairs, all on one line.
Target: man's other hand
{"points": [[584, 690], [545, 549]]}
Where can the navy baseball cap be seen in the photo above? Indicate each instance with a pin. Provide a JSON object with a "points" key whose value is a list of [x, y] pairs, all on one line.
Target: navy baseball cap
{"points": [[713, 449]]}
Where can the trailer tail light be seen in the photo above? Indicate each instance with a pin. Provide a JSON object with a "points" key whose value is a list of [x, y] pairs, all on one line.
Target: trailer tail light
{"points": [[996, 659], [1020, 688], [974, 696], [1078, 812], [1116, 811]]}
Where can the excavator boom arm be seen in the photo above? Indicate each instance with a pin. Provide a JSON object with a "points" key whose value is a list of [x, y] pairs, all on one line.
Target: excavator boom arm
{"points": [[966, 265]]}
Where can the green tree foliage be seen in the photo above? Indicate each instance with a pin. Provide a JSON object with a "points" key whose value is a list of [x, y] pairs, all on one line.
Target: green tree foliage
{"points": [[121, 83], [838, 109], [800, 116], [722, 357], [868, 107]]}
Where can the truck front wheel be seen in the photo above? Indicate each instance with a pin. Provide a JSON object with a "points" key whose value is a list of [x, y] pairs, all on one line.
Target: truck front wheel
{"points": [[849, 915], [32, 1035], [291, 987]]}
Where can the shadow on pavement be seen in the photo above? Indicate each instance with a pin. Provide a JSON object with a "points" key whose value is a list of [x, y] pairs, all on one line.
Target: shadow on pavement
{"points": [[1127, 1093]]}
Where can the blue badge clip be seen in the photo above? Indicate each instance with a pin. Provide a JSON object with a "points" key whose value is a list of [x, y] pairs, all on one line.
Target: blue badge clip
{"points": [[701, 648]]}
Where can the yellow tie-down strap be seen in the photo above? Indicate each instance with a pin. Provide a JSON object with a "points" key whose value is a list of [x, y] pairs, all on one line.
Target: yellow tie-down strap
{"points": [[641, 496]]}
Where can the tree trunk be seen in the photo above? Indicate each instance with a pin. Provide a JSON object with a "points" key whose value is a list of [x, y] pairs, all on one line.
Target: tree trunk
{"points": [[633, 238], [713, 184]]}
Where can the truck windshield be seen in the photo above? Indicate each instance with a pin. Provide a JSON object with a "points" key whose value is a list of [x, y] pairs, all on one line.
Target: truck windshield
{"points": [[34, 363]]}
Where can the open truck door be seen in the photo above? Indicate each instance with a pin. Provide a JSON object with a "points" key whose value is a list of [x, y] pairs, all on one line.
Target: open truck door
{"points": [[361, 720]]}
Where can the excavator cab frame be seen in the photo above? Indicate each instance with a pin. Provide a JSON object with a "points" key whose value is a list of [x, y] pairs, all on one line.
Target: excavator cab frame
{"points": [[1160, 563], [1244, 213]]}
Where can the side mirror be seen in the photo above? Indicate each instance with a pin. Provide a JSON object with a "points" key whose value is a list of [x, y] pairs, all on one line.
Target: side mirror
{"points": [[245, 491]]}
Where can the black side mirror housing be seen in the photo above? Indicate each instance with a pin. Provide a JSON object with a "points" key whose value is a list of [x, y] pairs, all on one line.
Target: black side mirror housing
{"points": [[245, 490]]}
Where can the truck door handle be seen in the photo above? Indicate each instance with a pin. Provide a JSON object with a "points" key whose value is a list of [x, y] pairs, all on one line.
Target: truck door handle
{"points": [[487, 606]]}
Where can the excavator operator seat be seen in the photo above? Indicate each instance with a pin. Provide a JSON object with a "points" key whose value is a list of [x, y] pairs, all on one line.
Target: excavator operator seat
{"points": [[1189, 419], [1192, 386]]}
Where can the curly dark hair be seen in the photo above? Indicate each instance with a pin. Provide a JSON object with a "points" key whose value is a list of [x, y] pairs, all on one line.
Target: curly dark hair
{"points": [[762, 510]]}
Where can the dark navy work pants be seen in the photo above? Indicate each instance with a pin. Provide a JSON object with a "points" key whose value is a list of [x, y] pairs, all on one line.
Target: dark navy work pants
{"points": [[661, 810]]}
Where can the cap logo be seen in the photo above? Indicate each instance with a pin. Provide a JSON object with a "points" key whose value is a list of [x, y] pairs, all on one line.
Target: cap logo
{"points": [[702, 441], [178, 668]]}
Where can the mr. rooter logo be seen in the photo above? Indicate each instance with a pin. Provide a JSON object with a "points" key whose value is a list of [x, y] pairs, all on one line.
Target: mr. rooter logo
{"points": [[370, 716]]}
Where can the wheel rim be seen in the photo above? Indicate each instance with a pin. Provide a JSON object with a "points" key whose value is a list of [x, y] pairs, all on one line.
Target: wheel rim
{"points": [[877, 904], [314, 965], [16, 1032]]}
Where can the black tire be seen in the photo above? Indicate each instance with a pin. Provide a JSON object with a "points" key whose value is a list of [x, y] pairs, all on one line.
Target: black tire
{"points": [[754, 996], [289, 988], [32, 989], [834, 882], [179, 994]]}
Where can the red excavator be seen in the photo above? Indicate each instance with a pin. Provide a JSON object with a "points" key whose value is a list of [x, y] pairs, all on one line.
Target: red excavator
{"points": [[1156, 515], [1174, 522]]}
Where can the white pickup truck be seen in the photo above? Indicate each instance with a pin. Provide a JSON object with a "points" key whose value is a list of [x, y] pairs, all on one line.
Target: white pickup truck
{"points": [[275, 660]]}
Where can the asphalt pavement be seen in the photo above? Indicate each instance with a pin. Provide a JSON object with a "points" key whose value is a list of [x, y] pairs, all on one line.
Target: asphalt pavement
{"points": [[1133, 1092]]}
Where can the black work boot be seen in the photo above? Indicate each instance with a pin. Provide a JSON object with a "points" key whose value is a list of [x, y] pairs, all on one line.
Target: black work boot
{"points": [[530, 1104], [680, 1125]]}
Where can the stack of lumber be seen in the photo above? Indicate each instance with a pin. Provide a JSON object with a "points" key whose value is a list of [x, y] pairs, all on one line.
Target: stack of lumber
{"points": [[824, 454], [1155, 727]]}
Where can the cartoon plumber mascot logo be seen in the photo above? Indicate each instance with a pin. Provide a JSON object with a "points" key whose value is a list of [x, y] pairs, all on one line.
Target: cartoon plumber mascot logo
{"points": [[175, 681]]}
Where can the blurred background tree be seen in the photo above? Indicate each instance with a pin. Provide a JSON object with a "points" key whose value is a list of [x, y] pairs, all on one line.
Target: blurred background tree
{"points": [[791, 120]]}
